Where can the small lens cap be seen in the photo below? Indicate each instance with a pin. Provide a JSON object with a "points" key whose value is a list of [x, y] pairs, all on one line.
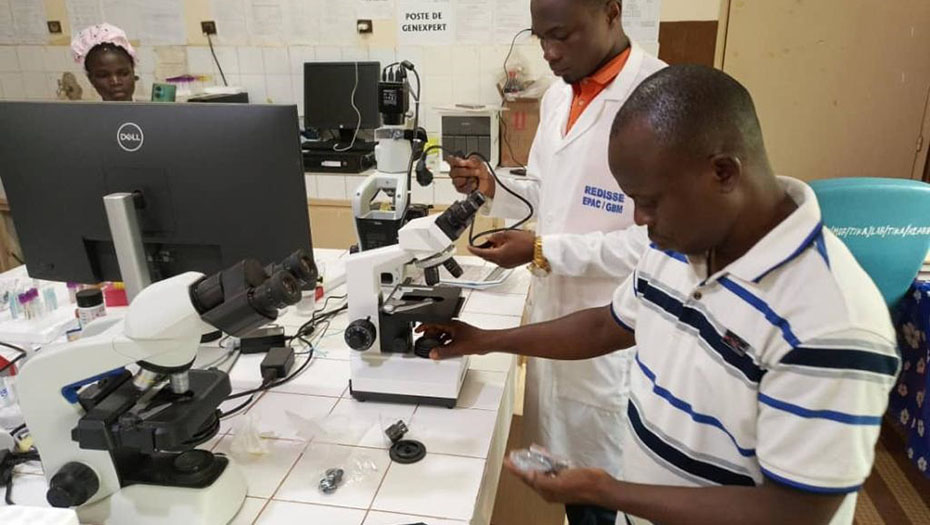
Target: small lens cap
{"points": [[408, 451]]}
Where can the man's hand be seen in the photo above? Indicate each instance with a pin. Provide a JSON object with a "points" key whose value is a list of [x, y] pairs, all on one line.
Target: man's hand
{"points": [[471, 174], [574, 485], [456, 338], [507, 249]]}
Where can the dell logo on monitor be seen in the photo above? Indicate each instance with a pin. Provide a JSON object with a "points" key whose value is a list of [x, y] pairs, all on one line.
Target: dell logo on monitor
{"points": [[129, 137]]}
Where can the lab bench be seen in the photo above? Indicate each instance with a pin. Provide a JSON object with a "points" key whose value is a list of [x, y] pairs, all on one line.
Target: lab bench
{"points": [[312, 424]]}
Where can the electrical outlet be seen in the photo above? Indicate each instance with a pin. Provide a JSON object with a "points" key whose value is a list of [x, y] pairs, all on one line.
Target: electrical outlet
{"points": [[208, 27], [54, 27], [364, 27]]}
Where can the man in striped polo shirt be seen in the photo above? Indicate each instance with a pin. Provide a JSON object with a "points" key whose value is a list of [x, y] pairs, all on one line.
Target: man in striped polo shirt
{"points": [[764, 353]]}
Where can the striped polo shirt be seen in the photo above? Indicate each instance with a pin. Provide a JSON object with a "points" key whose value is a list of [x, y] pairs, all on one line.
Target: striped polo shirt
{"points": [[775, 369]]}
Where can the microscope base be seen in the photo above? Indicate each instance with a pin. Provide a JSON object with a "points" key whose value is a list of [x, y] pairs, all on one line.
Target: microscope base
{"points": [[407, 379], [216, 504]]}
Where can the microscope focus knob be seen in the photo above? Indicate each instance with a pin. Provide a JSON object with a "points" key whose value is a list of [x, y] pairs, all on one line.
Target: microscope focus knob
{"points": [[453, 267], [360, 334], [431, 275], [72, 485]]}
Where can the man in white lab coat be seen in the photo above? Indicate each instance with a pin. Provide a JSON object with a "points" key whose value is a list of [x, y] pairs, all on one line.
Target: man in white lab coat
{"points": [[574, 408]]}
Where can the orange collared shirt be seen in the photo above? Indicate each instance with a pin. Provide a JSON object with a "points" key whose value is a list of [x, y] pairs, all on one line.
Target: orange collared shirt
{"points": [[587, 89]]}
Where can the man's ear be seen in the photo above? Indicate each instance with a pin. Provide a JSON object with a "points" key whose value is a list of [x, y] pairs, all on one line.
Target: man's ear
{"points": [[614, 10], [727, 169]]}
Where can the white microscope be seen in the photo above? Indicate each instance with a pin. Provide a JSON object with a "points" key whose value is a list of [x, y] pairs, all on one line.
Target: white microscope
{"points": [[398, 146], [120, 446], [389, 365]]}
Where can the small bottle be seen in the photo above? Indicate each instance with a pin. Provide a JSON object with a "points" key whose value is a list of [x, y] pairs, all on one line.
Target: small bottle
{"points": [[15, 310], [90, 306], [72, 291]]}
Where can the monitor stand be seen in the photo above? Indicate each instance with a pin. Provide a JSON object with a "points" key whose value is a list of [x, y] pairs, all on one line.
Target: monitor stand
{"points": [[123, 217]]}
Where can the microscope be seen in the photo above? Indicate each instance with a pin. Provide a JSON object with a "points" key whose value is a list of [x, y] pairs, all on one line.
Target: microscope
{"points": [[398, 146], [117, 414], [388, 364]]}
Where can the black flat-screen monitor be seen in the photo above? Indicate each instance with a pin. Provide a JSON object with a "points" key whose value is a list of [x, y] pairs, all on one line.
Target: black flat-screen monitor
{"points": [[219, 182], [328, 96]]}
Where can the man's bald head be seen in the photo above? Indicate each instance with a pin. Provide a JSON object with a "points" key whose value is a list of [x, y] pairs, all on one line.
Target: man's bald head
{"points": [[695, 109], [687, 148]]}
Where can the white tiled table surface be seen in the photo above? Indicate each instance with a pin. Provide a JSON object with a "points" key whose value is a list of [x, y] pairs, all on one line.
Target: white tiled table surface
{"points": [[313, 424]]}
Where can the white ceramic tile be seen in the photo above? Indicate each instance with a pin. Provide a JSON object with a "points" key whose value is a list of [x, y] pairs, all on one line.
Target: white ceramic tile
{"points": [[383, 56], [229, 60], [451, 492], [466, 90], [9, 61], [290, 416], [467, 61], [310, 184], [145, 60], [276, 61], [518, 283], [328, 53], [51, 81], [444, 191], [249, 511], [297, 86], [482, 390], [355, 54], [298, 56], [495, 303], [437, 90], [287, 513], [58, 59], [199, 60], [362, 424], [493, 362], [489, 321], [279, 89], [332, 187], [414, 54], [255, 85], [36, 85], [390, 518], [264, 472], [31, 58], [487, 91], [363, 471], [459, 432], [437, 60], [29, 490], [251, 61], [233, 79], [491, 60], [324, 377], [144, 86]]}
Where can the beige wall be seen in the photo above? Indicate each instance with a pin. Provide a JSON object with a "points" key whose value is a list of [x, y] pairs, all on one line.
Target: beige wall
{"points": [[689, 10], [841, 86]]}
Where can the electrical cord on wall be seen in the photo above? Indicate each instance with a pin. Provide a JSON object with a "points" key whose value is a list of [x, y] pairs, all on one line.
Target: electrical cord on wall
{"points": [[358, 125], [215, 60]]}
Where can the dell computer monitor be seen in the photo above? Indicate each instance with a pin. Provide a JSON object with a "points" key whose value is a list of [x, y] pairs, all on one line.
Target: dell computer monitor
{"points": [[328, 96], [219, 183]]}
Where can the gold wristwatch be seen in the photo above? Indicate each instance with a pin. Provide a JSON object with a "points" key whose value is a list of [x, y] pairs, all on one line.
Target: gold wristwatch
{"points": [[540, 265]]}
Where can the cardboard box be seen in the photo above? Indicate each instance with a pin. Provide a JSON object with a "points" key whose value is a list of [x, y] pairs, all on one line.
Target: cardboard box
{"points": [[519, 121]]}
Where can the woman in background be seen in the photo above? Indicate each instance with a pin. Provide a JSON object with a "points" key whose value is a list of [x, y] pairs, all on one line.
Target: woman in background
{"points": [[108, 59]]}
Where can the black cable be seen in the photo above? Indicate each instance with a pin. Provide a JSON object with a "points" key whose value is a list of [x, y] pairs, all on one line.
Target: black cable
{"points": [[22, 355], [275, 384], [11, 363], [17, 429], [216, 60], [471, 229], [228, 413]]}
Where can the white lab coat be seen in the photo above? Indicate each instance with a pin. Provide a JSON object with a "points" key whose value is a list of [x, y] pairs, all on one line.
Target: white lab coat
{"points": [[577, 408]]}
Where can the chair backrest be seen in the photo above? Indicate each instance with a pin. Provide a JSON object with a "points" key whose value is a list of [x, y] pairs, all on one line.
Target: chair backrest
{"points": [[884, 222]]}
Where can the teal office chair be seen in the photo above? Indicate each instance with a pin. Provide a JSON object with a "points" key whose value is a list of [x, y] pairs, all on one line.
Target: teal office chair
{"points": [[884, 222]]}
